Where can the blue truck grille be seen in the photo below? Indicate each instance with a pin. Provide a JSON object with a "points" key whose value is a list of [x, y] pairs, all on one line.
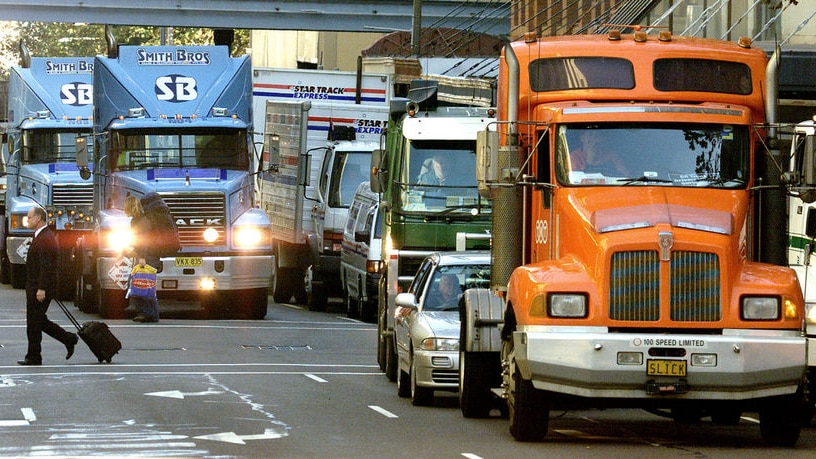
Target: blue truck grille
{"points": [[194, 213], [73, 196], [694, 286]]}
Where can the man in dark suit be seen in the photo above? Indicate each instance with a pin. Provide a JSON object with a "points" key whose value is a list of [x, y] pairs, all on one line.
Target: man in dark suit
{"points": [[41, 283]]}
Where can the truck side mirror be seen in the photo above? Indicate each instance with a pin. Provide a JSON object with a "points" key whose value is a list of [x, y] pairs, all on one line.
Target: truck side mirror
{"points": [[81, 144], [362, 236], [272, 149], [487, 160], [378, 175], [810, 223]]}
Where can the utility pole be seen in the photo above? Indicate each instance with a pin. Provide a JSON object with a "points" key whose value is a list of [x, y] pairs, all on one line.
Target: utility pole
{"points": [[416, 29]]}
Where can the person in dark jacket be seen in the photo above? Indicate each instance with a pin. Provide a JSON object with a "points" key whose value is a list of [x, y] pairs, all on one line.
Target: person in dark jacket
{"points": [[41, 283], [147, 310]]}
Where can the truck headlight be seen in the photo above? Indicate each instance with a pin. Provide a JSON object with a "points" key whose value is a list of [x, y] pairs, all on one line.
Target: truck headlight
{"points": [[567, 305], [250, 237], [18, 221], [811, 314], [118, 239], [439, 344], [760, 308]]}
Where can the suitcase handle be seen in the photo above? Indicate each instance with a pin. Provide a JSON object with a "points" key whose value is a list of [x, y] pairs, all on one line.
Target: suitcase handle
{"points": [[67, 313]]}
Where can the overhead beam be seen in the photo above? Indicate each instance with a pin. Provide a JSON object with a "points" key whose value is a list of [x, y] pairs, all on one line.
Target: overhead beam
{"points": [[489, 16]]}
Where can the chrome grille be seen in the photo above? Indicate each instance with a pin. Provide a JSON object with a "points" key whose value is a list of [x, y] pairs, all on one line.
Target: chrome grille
{"points": [[694, 290], [195, 212], [73, 196], [695, 287], [634, 286], [445, 376]]}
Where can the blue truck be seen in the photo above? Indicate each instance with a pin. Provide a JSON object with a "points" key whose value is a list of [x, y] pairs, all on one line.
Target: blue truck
{"points": [[177, 120], [49, 105]]}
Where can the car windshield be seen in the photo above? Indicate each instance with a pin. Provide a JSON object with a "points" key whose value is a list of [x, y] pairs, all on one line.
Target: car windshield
{"points": [[205, 148], [439, 177], [51, 146], [664, 154], [449, 282]]}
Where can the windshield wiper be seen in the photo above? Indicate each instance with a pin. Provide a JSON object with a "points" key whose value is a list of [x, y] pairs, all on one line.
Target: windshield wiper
{"points": [[643, 179]]}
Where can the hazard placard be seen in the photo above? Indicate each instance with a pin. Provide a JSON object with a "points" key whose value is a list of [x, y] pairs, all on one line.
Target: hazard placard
{"points": [[120, 272]]}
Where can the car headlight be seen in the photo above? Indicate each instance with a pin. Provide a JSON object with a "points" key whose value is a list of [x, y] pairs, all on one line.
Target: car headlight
{"points": [[439, 344], [249, 237], [760, 308], [118, 238], [567, 305]]}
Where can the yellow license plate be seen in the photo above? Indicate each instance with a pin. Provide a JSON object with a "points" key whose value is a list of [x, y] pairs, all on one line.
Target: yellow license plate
{"points": [[188, 262], [658, 367]]}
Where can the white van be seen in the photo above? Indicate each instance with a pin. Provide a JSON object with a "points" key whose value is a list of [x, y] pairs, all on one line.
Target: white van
{"points": [[360, 263]]}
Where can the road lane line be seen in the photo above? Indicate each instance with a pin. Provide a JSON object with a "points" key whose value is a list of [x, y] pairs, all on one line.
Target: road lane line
{"points": [[383, 411], [471, 456], [28, 414], [316, 378]]}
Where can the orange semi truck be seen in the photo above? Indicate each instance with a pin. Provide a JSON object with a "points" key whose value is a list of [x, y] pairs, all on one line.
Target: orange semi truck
{"points": [[626, 235]]}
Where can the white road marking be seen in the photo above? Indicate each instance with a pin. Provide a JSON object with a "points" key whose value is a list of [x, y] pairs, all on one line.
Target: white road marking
{"points": [[28, 414], [750, 419], [28, 418], [316, 378], [180, 395], [383, 411], [471, 456], [232, 437]]}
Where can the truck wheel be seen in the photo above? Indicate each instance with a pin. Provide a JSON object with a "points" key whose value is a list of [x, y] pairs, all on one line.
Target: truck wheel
{"points": [[420, 396], [380, 344], [283, 285], [66, 275], [257, 303], [85, 295], [529, 411], [316, 298], [475, 376], [780, 421], [111, 303], [17, 275], [5, 275], [390, 359]]}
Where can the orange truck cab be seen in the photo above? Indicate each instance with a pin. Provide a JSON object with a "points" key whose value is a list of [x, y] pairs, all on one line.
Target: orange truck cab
{"points": [[629, 163]]}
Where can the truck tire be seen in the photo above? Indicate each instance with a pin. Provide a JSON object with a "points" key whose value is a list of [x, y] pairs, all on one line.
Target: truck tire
{"points": [[5, 275], [111, 304], [283, 285], [420, 396], [478, 372], [390, 358], [780, 421], [85, 295], [380, 343], [17, 275], [529, 411]]}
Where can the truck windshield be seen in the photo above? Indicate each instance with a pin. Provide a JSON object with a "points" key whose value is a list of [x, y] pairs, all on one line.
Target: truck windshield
{"points": [[205, 148], [51, 146], [439, 176], [663, 154], [349, 170]]}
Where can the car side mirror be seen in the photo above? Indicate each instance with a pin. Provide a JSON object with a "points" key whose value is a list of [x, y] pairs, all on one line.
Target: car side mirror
{"points": [[406, 300]]}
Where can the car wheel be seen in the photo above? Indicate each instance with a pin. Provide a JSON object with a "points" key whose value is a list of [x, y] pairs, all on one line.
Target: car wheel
{"points": [[420, 396], [403, 384]]}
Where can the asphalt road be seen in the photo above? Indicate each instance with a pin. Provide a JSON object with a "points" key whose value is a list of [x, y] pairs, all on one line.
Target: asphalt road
{"points": [[298, 384]]}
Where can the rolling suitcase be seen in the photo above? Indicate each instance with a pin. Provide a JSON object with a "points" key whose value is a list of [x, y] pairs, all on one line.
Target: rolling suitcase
{"points": [[96, 335]]}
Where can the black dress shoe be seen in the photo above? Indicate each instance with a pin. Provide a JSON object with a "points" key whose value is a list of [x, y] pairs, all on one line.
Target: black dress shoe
{"points": [[28, 362], [70, 346]]}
